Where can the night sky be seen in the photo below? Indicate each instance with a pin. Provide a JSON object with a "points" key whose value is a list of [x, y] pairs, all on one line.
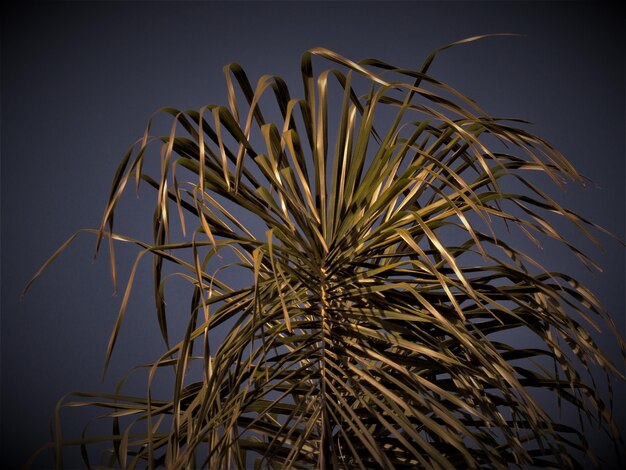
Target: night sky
{"points": [[80, 80]]}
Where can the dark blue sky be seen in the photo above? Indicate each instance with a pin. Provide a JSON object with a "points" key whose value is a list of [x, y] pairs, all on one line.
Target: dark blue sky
{"points": [[79, 81]]}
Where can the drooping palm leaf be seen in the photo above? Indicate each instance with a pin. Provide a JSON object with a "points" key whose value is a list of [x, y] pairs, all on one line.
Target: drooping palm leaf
{"points": [[372, 326]]}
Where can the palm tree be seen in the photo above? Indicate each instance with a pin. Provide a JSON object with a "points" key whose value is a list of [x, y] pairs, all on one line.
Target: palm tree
{"points": [[372, 317]]}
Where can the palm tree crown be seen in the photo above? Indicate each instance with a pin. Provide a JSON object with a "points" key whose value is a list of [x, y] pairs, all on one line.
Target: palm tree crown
{"points": [[373, 319]]}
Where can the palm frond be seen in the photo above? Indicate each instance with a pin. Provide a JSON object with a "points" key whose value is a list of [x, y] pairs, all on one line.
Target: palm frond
{"points": [[377, 295]]}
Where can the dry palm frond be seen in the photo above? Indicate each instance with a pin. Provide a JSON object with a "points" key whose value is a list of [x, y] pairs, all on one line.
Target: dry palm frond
{"points": [[377, 294]]}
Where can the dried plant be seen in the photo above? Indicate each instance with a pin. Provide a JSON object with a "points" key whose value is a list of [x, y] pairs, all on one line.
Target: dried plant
{"points": [[377, 296]]}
